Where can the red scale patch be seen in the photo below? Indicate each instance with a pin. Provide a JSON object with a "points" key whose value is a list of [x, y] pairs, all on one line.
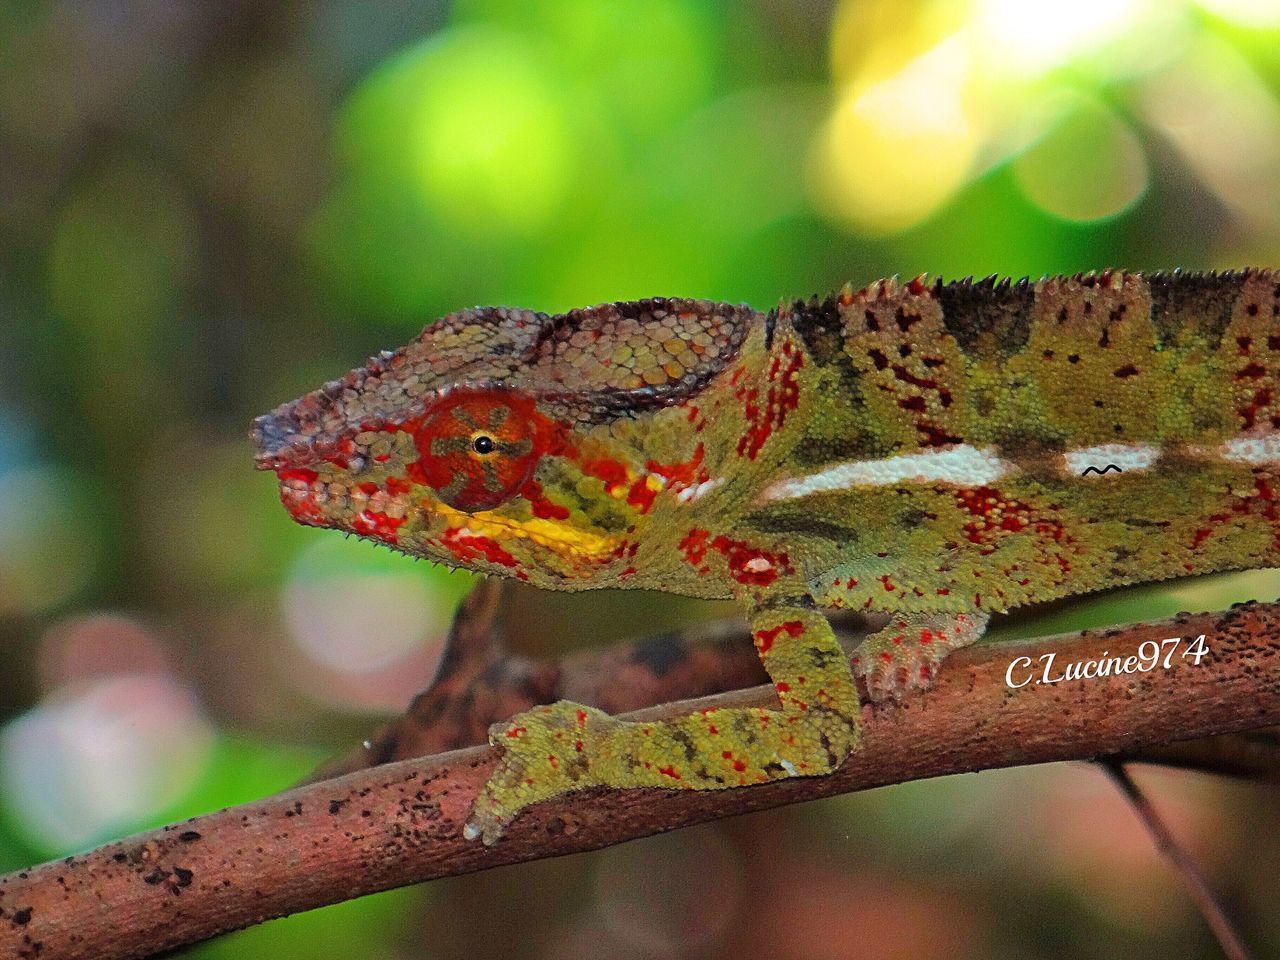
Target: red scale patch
{"points": [[372, 524], [747, 564], [765, 638], [468, 546], [781, 397], [995, 516]]}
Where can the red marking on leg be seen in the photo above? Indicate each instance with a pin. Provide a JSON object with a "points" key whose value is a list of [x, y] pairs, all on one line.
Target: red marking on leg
{"points": [[669, 772], [765, 638]]}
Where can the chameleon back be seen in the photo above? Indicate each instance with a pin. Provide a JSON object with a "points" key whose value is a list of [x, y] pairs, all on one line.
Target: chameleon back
{"points": [[981, 445]]}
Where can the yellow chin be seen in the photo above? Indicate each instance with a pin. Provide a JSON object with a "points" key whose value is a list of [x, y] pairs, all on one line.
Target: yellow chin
{"points": [[551, 534]]}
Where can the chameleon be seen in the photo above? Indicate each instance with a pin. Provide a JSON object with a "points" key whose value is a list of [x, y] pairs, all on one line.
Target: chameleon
{"points": [[931, 451]]}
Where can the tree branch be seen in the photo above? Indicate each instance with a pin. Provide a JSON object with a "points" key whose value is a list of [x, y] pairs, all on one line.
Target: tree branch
{"points": [[480, 683], [401, 822]]}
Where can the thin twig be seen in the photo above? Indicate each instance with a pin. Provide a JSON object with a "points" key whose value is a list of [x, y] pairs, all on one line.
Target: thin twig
{"points": [[1192, 877], [401, 822]]}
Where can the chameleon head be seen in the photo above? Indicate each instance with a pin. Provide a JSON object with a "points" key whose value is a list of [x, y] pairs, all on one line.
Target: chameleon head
{"points": [[489, 441]]}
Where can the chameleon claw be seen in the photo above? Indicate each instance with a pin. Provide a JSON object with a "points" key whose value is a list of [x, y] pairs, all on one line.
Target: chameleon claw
{"points": [[485, 826], [788, 766]]}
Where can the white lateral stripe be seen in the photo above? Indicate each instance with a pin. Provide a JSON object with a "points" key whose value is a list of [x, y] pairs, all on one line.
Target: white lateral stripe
{"points": [[1127, 457], [1264, 449], [689, 494], [962, 465]]}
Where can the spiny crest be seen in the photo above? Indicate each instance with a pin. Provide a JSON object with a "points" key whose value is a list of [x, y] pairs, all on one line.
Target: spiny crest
{"points": [[589, 365]]}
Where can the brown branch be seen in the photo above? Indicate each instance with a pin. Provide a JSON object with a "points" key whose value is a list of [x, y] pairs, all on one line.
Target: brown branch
{"points": [[480, 683], [401, 822]]}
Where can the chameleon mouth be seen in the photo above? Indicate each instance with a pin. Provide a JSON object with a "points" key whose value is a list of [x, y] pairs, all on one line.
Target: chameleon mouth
{"points": [[305, 494], [545, 533]]}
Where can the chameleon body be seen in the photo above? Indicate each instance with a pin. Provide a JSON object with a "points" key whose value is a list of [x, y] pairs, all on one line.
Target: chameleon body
{"points": [[937, 451]]}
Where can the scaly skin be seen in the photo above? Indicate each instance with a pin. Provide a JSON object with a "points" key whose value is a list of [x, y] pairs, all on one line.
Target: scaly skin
{"points": [[938, 451]]}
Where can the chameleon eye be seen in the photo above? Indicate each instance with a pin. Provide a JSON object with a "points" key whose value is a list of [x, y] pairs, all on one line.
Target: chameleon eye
{"points": [[478, 448]]}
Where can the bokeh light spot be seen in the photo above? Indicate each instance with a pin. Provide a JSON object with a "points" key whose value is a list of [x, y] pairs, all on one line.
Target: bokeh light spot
{"points": [[93, 760], [1089, 166], [1035, 36], [670, 894], [897, 150], [352, 611], [1217, 111], [47, 551], [99, 645], [1246, 13], [488, 130]]}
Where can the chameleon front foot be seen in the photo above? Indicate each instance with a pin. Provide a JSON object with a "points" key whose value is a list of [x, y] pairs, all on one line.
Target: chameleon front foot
{"points": [[550, 751], [556, 749], [546, 752], [904, 656]]}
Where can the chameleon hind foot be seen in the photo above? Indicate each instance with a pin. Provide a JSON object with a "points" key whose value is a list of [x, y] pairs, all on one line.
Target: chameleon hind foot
{"points": [[904, 656]]}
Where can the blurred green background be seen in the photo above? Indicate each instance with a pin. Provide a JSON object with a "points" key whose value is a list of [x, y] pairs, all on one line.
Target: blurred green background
{"points": [[208, 208]]}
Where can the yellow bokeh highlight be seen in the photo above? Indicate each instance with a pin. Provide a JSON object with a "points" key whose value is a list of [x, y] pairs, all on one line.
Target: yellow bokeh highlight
{"points": [[895, 150], [931, 95], [1245, 13], [1035, 36]]}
